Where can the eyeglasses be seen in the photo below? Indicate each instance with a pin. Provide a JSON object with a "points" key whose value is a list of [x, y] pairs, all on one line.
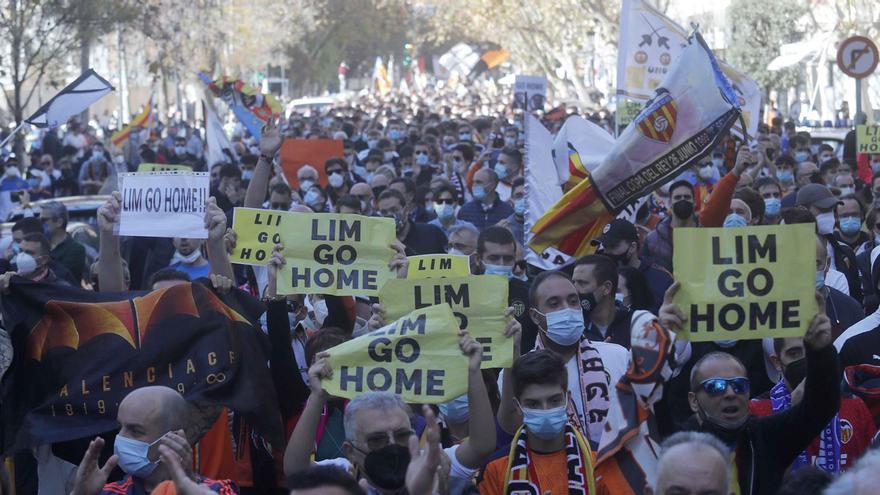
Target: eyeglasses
{"points": [[336, 171], [379, 440], [421, 152], [449, 201], [717, 386]]}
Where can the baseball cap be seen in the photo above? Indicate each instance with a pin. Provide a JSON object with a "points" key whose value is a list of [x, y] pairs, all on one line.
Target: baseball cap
{"points": [[816, 195], [615, 231]]}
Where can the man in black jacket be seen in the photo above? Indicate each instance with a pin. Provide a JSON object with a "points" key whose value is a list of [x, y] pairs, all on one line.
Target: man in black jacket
{"points": [[765, 447]]}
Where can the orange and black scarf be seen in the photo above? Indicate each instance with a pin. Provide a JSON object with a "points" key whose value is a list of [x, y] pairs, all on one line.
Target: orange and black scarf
{"points": [[522, 480]]}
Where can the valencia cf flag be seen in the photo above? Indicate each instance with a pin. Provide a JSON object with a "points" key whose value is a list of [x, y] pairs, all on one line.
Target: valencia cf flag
{"points": [[78, 353]]}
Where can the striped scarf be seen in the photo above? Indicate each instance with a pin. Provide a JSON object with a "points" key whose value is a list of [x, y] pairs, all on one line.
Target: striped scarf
{"points": [[829, 440], [580, 465]]}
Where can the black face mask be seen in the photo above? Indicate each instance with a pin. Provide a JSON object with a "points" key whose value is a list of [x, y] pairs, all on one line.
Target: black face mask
{"points": [[795, 372], [726, 434], [378, 190], [386, 468], [683, 209], [588, 303], [621, 259]]}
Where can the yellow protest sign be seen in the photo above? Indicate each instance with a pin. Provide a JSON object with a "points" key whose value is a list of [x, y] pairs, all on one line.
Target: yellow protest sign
{"points": [[416, 357], [438, 265], [343, 255], [163, 167], [257, 231], [746, 283], [478, 303], [868, 139]]}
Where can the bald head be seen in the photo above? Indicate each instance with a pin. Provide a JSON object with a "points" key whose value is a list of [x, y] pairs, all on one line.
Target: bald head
{"points": [[148, 413], [361, 189]]}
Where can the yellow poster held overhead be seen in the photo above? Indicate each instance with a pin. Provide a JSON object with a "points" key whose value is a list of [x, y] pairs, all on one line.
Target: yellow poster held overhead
{"points": [[478, 303], [342, 255], [438, 265], [257, 231], [746, 283], [868, 139], [416, 357], [163, 167]]}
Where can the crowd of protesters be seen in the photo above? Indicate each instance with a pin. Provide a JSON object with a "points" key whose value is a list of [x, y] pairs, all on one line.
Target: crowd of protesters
{"points": [[602, 398]]}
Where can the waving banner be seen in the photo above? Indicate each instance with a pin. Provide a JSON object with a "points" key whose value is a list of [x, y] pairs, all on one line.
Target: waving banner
{"points": [[78, 353], [251, 107], [417, 357]]}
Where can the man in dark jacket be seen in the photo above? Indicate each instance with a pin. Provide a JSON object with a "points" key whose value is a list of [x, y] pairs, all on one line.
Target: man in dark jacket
{"points": [[765, 447]]}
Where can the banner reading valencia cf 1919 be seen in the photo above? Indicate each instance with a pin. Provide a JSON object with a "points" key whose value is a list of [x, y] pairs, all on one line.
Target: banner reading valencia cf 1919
{"points": [[78, 353], [689, 113]]}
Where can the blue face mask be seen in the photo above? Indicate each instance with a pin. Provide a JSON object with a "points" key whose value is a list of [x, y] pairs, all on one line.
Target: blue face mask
{"points": [[786, 176], [519, 206], [850, 225], [479, 192], [247, 174], [394, 134], [801, 156], [501, 171], [133, 457], [717, 162], [545, 423], [734, 220], [464, 136], [565, 326], [504, 271], [772, 206], [372, 143], [456, 410], [444, 211], [422, 159], [312, 199], [820, 279]]}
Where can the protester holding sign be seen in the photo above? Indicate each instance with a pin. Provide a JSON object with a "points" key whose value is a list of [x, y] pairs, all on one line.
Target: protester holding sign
{"points": [[719, 400], [378, 427]]}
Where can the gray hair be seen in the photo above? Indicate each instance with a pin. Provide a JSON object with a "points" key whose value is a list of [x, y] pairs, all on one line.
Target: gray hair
{"points": [[57, 209], [382, 401], [466, 227], [847, 484], [695, 438]]}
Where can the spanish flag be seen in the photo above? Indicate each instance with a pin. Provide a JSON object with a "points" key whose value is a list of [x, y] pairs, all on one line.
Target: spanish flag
{"points": [[571, 223], [142, 120]]}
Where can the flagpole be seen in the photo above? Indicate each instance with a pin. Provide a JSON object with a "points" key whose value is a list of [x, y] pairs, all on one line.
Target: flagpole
{"points": [[12, 134]]}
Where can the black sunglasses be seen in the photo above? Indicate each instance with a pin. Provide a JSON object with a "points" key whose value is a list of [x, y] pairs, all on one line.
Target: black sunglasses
{"points": [[717, 386]]}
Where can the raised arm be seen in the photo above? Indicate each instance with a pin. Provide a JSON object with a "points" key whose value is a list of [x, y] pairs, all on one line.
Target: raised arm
{"points": [[110, 272], [509, 417], [215, 222], [270, 143], [481, 441], [302, 442]]}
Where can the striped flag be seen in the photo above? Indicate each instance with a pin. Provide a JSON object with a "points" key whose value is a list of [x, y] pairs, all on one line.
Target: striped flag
{"points": [[142, 121], [691, 111]]}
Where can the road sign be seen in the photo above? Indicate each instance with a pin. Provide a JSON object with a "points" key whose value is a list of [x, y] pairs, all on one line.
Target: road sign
{"points": [[857, 57]]}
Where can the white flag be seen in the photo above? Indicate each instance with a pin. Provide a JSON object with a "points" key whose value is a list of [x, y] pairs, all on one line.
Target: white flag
{"points": [[218, 149], [579, 148], [73, 99], [648, 47], [542, 189], [691, 110]]}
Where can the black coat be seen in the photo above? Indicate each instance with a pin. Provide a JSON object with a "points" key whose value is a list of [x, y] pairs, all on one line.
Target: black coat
{"points": [[766, 446]]}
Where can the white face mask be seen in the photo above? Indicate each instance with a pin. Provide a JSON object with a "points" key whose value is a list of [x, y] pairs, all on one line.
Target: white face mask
{"points": [[25, 264], [825, 222], [321, 312], [188, 259]]}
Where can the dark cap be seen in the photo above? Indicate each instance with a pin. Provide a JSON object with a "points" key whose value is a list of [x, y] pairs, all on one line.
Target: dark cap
{"points": [[816, 195], [617, 230], [374, 155]]}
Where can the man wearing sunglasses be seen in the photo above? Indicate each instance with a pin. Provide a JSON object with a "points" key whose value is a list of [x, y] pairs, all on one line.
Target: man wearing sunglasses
{"points": [[765, 447]]}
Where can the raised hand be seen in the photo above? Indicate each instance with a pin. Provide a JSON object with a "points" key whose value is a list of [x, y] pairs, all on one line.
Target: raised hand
{"points": [[399, 263], [422, 474], [319, 371], [108, 213], [671, 316], [377, 320], [215, 220], [471, 349], [270, 138], [90, 478]]}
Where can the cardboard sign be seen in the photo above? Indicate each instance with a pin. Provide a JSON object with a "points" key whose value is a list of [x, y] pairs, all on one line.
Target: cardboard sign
{"points": [[437, 266], [164, 204], [478, 303], [529, 93], [868, 139], [343, 255], [298, 152], [416, 357], [163, 167], [746, 283]]}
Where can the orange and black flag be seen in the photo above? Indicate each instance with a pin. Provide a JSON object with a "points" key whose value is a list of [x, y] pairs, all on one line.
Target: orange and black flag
{"points": [[78, 353], [571, 223]]}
